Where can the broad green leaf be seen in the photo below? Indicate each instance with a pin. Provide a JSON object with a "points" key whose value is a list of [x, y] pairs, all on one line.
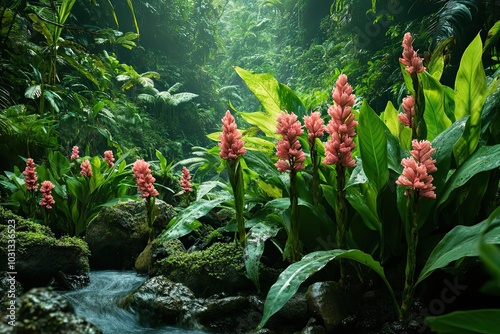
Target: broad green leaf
{"points": [[186, 221], [407, 79], [466, 322], [493, 36], [363, 199], [391, 120], [254, 248], [265, 122], [294, 275], [434, 115], [490, 256], [470, 94], [373, 146], [486, 158], [59, 164], [462, 241], [436, 63]]}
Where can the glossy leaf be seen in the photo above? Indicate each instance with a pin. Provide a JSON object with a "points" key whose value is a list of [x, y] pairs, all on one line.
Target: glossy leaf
{"points": [[470, 94], [486, 158], [390, 118], [294, 275], [254, 248], [462, 241], [434, 115], [466, 322], [373, 146]]}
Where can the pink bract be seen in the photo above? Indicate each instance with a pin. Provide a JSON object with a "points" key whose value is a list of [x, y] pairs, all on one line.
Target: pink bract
{"points": [[30, 178], [288, 150], [144, 179], [230, 139], [47, 200]]}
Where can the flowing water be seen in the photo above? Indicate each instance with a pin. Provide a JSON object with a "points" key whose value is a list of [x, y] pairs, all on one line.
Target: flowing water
{"points": [[97, 304]]}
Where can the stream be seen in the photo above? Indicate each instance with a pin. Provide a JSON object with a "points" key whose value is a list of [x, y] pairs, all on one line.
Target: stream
{"points": [[97, 304]]}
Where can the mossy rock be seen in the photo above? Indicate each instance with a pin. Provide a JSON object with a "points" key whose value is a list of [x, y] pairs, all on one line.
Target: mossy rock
{"points": [[217, 269], [120, 233], [40, 258]]}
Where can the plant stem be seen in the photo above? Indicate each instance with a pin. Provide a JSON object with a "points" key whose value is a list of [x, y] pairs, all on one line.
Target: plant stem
{"points": [[411, 255], [293, 237], [340, 215], [315, 173], [150, 209], [235, 174]]}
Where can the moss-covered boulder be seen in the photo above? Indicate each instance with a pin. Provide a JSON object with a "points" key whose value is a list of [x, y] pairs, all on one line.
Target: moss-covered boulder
{"points": [[37, 257], [119, 233], [45, 311], [155, 251], [217, 269]]}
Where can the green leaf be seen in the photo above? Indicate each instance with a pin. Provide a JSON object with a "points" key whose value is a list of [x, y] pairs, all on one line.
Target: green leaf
{"points": [[363, 199], [265, 122], [436, 63], [186, 221], [254, 248], [466, 322], [391, 120], [470, 94], [492, 37], [407, 78], [373, 146], [486, 158], [460, 242], [294, 275], [58, 164], [434, 115]]}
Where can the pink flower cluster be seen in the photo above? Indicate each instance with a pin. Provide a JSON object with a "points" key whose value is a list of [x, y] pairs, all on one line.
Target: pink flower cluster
{"points": [[315, 126], [408, 105], [109, 158], [414, 64], [230, 139], [74, 153], [30, 177], [85, 169], [417, 168], [288, 150], [341, 126], [185, 184], [47, 200], [144, 179]]}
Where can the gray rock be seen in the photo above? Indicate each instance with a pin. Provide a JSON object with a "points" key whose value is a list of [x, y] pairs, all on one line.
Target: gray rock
{"points": [[40, 258], [159, 301], [120, 233], [44, 311], [328, 301]]}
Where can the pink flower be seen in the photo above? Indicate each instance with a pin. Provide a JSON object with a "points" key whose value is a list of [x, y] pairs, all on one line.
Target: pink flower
{"points": [[47, 200], [109, 158], [409, 111], [85, 169], [230, 139], [144, 179], [341, 126], [315, 126], [186, 176], [288, 150], [416, 170], [74, 153], [30, 177], [414, 64]]}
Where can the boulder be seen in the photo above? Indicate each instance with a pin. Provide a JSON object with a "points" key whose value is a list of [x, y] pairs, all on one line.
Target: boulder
{"points": [[119, 233], [328, 301], [44, 311], [217, 269], [41, 259], [154, 252], [158, 301]]}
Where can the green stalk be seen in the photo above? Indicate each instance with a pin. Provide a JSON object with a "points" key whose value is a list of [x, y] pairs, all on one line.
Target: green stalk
{"points": [[292, 250], [235, 174], [341, 215], [150, 207], [315, 173], [411, 254]]}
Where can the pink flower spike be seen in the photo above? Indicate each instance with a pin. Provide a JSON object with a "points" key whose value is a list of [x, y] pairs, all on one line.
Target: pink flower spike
{"points": [[414, 64], [74, 153], [85, 169], [109, 158], [315, 126], [408, 105], [230, 139], [186, 176], [341, 126], [144, 179], [288, 150], [30, 177], [416, 170], [47, 200]]}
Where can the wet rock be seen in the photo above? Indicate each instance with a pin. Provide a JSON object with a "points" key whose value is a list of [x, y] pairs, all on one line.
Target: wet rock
{"points": [[119, 233], [154, 252], [40, 258], [159, 301], [217, 269], [44, 311], [328, 301]]}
